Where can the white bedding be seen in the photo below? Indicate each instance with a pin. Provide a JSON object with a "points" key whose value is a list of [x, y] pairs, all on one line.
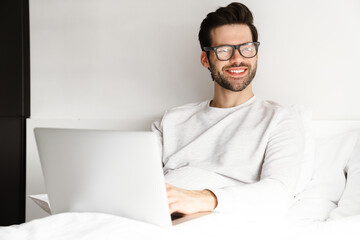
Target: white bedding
{"points": [[83, 226], [304, 220]]}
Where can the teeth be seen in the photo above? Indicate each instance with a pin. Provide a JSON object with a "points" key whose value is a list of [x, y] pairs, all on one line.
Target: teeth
{"points": [[237, 71]]}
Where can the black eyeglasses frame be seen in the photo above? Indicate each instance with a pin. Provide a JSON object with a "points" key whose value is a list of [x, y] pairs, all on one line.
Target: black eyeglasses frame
{"points": [[208, 49]]}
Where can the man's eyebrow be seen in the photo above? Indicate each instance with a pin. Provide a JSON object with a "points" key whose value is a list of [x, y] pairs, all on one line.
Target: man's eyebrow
{"points": [[228, 44]]}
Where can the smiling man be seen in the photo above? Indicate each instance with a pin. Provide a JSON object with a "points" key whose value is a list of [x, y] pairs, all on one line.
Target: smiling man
{"points": [[236, 152]]}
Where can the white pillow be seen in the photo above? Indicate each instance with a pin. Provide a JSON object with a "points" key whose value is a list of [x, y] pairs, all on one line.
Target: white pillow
{"points": [[42, 200], [349, 203], [328, 182], [308, 163]]}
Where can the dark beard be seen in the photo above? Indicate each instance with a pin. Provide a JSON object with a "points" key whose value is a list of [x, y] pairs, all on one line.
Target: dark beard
{"points": [[224, 83]]}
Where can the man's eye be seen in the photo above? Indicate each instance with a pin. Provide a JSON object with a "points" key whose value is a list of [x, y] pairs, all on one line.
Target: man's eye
{"points": [[247, 49], [223, 50]]}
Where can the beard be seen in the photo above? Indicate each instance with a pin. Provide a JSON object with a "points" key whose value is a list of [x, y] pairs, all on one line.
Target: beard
{"points": [[219, 77]]}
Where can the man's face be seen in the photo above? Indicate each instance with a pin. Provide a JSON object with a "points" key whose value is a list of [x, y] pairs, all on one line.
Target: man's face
{"points": [[236, 73]]}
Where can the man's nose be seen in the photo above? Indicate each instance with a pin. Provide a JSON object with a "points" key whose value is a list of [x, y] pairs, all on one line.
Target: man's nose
{"points": [[237, 56]]}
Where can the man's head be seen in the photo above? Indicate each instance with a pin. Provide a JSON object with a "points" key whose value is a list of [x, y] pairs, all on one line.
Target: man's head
{"points": [[232, 68]]}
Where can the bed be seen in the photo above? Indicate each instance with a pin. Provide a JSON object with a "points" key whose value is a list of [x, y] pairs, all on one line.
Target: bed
{"points": [[326, 207], [213, 226]]}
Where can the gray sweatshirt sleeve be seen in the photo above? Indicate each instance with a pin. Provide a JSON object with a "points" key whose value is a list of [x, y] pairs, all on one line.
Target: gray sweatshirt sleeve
{"points": [[280, 171], [157, 129]]}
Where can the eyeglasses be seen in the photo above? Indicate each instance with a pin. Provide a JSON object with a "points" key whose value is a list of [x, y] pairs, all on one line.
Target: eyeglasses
{"points": [[226, 52]]}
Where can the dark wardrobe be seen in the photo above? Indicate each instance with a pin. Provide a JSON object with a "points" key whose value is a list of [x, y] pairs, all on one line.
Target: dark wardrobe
{"points": [[14, 108]]}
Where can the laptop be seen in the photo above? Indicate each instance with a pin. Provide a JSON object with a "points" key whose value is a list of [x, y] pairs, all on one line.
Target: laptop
{"points": [[107, 171]]}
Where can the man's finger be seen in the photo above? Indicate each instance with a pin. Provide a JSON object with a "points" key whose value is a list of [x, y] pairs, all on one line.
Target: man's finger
{"points": [[175, 207], [172, 199], [172, 208]]}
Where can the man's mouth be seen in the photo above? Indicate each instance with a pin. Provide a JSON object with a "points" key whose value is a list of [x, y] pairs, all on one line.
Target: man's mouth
{"points": [[236, 72]]}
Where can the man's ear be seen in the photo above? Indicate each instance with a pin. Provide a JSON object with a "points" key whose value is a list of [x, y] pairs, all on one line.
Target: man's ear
{"points": [[204, 60]]}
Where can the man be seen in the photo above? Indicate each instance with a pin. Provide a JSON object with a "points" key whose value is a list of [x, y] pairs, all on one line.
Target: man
{"points": [[235, 152]]}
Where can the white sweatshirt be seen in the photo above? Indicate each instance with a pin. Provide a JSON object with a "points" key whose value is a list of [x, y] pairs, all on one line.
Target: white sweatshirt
{"points": [[249, 156]]}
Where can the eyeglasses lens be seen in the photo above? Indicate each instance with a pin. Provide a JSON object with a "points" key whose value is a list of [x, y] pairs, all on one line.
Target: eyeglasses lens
{"points": [[248, 50], [225, 52]]}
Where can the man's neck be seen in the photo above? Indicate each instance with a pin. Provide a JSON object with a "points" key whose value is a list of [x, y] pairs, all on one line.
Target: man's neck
{"points": [[224, 98]]}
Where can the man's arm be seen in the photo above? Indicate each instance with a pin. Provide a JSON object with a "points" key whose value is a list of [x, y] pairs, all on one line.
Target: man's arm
{"points": [[273, 193], [280, 172], [185, 201]]}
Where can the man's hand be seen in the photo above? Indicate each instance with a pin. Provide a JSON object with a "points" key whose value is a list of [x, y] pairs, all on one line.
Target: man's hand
{"points": [[190, 201]]}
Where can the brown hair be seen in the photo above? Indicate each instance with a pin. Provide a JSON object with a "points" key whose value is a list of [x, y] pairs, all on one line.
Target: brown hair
{"points": [[234, 13]]}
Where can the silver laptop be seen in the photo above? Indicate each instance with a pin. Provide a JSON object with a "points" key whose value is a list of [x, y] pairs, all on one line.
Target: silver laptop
{"points": [[113, 172]]}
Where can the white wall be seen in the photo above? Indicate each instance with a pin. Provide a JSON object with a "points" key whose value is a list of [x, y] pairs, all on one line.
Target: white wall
{"points": [[117, 59], [309, 55]]}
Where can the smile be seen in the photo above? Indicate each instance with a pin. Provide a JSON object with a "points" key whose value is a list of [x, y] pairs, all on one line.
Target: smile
{"points": [[236, 71]]}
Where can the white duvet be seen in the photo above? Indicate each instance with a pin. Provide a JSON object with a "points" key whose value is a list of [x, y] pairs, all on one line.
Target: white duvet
{"points": [[325, 197], [83, 226]]}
